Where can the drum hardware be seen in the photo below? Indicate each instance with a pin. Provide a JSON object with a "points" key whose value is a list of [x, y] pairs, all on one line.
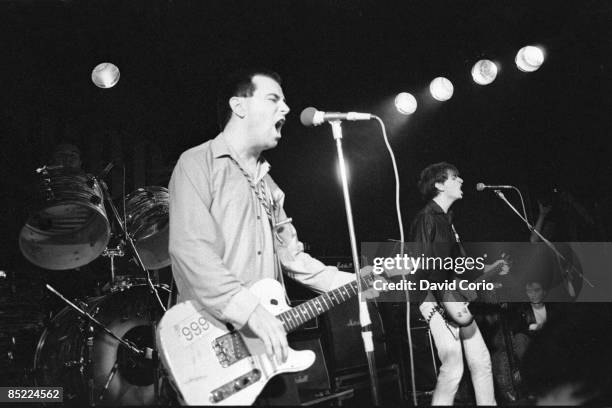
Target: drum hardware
{"points": [[136, 361], [91, 380], [69, 227], [73, 363], [123, 225], [111, 254], [45, 169], [108, 381], [66, 233], [146, 219], [129, 239], [126, 343]]}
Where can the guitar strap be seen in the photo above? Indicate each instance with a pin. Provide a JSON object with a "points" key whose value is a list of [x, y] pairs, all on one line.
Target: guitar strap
{"points": [[264, 195], [458, 241]]}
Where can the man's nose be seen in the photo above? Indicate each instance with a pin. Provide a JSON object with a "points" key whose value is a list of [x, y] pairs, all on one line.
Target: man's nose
{"points": [[284, 108]]}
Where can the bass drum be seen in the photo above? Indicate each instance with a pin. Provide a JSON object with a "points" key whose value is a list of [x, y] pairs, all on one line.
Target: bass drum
{"points": [[63, 357]]}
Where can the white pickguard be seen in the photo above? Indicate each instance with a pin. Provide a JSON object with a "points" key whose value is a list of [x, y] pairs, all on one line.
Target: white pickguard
{"points": [[185, 338]]}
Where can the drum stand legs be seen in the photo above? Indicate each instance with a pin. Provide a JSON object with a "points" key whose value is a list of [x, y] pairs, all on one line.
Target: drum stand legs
{"points": [[108, 380], [90, 343], [93, 324]]}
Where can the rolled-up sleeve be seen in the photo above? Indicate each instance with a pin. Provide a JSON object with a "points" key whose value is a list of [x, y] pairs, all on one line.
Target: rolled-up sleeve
{"points": [[196, 250], [304, 268]]}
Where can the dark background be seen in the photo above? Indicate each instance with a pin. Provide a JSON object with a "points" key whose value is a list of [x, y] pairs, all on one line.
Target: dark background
{"points": [[539, 131]]}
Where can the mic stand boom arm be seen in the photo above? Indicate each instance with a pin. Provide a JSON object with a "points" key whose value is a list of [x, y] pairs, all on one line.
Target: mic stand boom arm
{"points": [[534, 230], [364, 316]]}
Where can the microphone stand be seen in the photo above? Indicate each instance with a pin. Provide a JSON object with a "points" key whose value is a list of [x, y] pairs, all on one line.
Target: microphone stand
{"points": [[364, 316], [547, 242]]}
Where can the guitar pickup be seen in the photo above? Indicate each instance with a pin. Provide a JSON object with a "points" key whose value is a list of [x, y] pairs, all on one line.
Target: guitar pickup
{"points": [[232, 387], [230, 348]]}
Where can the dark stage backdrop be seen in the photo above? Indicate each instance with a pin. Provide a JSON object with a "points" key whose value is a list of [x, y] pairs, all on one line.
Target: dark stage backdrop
{"points": [[538, 131]]}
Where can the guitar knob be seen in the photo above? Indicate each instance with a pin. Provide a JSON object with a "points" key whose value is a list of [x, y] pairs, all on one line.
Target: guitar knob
{"points": [[217, 396]]}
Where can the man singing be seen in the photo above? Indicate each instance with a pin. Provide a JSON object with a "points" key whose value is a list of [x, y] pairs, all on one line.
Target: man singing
{"points": [[433, 230], [228, 228]]}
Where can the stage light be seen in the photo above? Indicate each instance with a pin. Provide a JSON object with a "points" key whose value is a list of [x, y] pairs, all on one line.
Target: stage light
{"points": [[105, 75], [529, 58], [484, 72], [441, 89], [405, 103]]}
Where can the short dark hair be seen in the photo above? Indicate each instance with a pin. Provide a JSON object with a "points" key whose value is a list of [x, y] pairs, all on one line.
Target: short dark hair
{"points": [[238, 83], [432, 174]]}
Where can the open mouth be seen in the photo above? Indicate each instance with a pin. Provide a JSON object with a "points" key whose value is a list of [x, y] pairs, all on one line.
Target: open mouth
{"points": [[279, 124]]}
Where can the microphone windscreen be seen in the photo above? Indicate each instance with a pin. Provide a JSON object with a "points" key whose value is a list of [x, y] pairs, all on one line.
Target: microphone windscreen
{"points": [[480, 186], [307, 116]]}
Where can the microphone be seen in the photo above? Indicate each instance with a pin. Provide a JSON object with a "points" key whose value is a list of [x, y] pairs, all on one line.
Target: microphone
{"points": [[313, 117], [483, 186]]}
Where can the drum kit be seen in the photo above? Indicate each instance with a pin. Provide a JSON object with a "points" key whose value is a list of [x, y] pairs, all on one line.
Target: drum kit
{"points": [[101, 349]]}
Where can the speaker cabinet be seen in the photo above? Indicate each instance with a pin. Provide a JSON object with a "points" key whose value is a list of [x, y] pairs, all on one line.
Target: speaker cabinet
{"points": [[316, 377], [343, 334]]}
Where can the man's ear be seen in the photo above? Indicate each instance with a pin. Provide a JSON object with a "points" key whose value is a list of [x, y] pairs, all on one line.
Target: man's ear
{"points": [[236, 104], [439, 187]]}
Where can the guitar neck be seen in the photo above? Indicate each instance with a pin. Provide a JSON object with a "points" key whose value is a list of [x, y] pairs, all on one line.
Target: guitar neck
{"points": [[297, 316]]}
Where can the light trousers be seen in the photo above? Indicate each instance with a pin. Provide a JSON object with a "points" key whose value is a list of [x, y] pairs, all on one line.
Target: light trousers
{"points": [[448, 340]]}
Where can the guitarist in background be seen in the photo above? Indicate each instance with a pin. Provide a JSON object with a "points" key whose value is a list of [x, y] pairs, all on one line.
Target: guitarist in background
{"points": [[433, 230], [228, 228]]}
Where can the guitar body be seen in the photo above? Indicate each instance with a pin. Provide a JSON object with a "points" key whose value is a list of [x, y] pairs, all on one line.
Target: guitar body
{"points": [[456, 302], [210, 365], [457, 311]]}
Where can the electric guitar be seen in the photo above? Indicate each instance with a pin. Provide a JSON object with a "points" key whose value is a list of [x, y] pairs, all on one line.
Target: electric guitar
{"points": [[211, 364], [455, 303]]}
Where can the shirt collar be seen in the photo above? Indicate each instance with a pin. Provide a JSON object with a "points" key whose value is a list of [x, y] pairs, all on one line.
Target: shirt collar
{"points": [[220, 148], [436, 209]]}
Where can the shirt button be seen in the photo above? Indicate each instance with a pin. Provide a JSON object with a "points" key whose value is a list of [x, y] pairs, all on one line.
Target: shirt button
{"points": [[258, 217], [258, 252]]}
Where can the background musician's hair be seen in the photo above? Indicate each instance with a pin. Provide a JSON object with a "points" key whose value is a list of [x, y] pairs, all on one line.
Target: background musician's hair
{"points": [[432, 174]]}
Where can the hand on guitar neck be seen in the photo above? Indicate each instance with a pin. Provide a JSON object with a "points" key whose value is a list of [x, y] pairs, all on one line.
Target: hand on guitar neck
{"points": [[270, 329]]}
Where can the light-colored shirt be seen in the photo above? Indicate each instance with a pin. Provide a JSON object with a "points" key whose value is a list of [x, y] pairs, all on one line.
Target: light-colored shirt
{"points": [[540, 317], [221, 239]]}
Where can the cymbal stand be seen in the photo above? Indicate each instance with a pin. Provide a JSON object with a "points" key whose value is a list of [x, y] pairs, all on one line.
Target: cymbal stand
{"points": [[90, 380], [126, 343], [111, 254], [111, 375], [130, 241], [152, 288]]}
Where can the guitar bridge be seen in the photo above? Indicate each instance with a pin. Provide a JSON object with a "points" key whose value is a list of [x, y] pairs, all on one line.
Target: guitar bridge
{"points": [[230, 348]]}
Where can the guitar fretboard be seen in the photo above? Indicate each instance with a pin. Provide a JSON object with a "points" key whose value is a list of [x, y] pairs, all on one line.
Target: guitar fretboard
{"points": [[297, 316]]}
